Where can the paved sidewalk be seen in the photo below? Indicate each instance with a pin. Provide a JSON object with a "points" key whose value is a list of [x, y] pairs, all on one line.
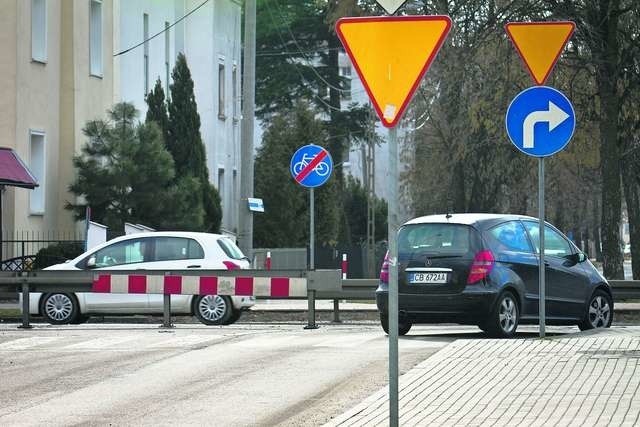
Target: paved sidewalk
{"points": [[584, 379]]}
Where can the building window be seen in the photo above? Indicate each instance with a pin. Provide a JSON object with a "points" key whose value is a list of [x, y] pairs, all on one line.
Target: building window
{"points": [[346, 91], [221, 184], [37, 167], [234, 91], [39, 30], [345, 73], [167, 56], [221, 94], [145, 37], [95, 38]]}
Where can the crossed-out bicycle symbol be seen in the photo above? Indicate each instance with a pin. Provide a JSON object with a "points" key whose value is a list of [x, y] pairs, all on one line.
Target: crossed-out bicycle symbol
{"points": [[321, 168]]}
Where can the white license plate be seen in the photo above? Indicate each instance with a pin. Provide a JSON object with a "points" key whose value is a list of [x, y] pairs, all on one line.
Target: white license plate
{"points": [[437, 277]]}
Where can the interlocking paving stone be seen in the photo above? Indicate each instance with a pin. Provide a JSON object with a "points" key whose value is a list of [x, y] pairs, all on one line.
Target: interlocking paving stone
{"points": [[583, 379]]}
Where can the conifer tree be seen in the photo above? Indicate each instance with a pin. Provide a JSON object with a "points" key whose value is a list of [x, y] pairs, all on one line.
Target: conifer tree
{"points": [[184, 142], [157, 110]]}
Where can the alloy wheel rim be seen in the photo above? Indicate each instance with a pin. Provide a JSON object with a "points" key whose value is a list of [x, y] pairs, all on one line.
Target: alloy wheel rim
{"points": [[508, 315], [59, 307], [599, 312], [212, 307]]}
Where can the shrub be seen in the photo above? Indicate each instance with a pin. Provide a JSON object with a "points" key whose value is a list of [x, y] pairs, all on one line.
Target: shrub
{"points": [[57, 253]]}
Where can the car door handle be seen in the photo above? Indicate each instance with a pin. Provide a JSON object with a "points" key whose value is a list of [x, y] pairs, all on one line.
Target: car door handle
{"points": [[194, 266], [546, 263]]}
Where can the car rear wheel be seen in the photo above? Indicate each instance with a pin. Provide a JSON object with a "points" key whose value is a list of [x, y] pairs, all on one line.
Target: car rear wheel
{"points": [[213, 309], [59, 308], [403, 325], [504, 318], [599, 312]]}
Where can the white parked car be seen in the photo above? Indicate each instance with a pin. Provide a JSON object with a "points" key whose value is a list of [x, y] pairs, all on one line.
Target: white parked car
{"points": [[149, 251]]}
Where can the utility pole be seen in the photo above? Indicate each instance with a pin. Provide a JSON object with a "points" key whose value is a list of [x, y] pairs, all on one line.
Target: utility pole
{"points": [[370, 186], [245, 220]]}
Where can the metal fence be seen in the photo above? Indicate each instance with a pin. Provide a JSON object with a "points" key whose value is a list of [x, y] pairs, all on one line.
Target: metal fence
{"points": [[19, 248], [326, 257], [281, 258]]}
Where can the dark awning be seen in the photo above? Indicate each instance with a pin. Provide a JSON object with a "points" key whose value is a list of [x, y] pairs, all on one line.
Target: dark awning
{"points": [[13, 171]]}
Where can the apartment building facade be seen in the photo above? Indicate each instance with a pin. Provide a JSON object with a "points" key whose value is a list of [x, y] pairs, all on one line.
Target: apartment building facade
{"points": [[55, 75], [210, 37], [60, 69]]}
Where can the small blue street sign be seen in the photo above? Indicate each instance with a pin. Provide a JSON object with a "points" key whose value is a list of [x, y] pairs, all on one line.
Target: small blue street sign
{"points": [[540, 121], [256, 205], [311, 166]]}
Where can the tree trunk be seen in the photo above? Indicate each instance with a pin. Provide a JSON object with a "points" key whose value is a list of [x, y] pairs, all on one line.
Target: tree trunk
{"points": [[632, 197], [606, 78]]}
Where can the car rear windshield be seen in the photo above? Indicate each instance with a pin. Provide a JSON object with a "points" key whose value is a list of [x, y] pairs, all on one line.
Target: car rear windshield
{"points": [[230, 249], [437, 240]]}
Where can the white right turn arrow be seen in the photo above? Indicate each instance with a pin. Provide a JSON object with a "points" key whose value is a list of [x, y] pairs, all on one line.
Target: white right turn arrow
{"points": [[554, 116]]}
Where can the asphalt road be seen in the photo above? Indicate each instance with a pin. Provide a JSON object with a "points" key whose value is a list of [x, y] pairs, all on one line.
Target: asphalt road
{"points": [[195, 375]]}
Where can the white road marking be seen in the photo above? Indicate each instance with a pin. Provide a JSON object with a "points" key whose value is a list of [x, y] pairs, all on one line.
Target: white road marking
{"points": [[184, 341], [345, 341], [99, 343], [27, 343]]}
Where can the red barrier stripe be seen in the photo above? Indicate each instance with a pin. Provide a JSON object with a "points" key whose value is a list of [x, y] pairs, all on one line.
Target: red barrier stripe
{"points": [[102, 284], [280, 287], [311, 166], [137, 284], [173, 285], [208, 285], [244, 286]]}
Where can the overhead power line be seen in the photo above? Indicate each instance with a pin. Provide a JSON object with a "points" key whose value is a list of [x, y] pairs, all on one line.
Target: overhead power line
{"points": [[161, 32]]}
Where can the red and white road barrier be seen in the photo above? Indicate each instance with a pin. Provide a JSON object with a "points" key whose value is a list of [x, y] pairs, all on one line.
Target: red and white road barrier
{"points": [[267, 261], [344, 266], [201, 285]]}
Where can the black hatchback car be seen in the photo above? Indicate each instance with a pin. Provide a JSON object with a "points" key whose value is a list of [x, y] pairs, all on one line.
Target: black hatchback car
{"points": [[482, 269]]}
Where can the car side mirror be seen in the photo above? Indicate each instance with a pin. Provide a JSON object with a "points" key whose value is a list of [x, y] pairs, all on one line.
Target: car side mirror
{"points": [[574, 259], [91, 262]]}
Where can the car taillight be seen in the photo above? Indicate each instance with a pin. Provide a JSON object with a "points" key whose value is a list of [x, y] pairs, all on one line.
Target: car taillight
{"points": [[231, 265], [384, 270], [482, 265]]}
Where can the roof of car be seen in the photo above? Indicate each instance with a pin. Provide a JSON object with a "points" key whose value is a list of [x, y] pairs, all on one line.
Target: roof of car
{"points": [[465, 218], [187, 234]]}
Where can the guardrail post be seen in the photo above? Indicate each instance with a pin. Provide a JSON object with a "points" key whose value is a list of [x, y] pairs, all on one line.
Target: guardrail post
{"points": [[25, 307], [311, 299], [166, 315], [336, 311]]}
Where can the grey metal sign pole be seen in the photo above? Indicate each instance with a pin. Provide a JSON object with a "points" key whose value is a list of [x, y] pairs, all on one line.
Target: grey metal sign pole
{"points": [[393, 277], [312, 220], [541, 303], [311, 294]]}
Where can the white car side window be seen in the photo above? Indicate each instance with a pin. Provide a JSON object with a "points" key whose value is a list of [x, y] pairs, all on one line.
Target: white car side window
{"points": [[128, 252]]}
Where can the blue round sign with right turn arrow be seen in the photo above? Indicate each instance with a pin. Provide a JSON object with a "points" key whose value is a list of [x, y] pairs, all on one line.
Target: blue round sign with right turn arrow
{"points": [[540, 121]]}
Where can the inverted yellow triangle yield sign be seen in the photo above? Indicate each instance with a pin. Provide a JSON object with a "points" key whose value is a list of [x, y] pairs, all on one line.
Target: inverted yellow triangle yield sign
{"points": [[540, 44], [391, 55]]}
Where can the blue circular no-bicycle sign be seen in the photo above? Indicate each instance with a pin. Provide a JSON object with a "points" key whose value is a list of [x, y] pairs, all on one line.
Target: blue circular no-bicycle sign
{"points": [[311, 166], [540, 121]]}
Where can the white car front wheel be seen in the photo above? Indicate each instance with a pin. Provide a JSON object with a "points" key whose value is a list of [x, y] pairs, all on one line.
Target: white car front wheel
{"points": [[213, 309], [59, 308]]}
